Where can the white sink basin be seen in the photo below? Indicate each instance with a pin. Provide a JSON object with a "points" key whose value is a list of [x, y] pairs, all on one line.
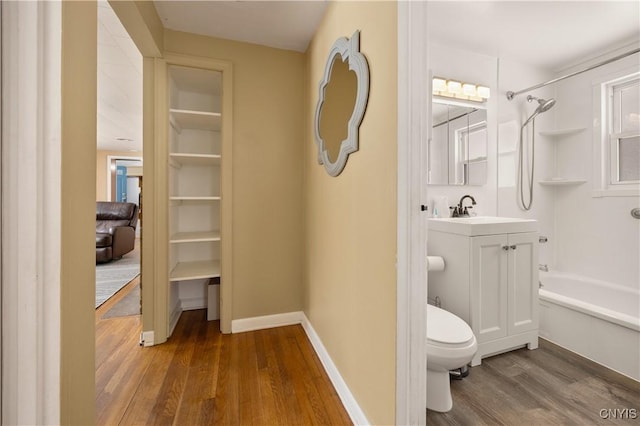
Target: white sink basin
{"points": [[483, 225]]}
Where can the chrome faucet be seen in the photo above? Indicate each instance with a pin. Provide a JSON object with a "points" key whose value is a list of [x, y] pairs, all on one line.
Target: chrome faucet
{"points": [[460, 211]]}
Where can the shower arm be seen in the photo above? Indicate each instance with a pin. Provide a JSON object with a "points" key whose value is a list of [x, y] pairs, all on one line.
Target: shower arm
{"points": [[511, 95]]}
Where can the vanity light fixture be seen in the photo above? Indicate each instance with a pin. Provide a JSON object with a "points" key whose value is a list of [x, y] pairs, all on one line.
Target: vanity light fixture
{"points": [[460, 90]]}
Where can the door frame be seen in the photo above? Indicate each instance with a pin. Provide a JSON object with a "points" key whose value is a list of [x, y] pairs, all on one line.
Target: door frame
{"points": [[110, 159], [1, 255], [157, 295], [414, 112], [32, 324]]}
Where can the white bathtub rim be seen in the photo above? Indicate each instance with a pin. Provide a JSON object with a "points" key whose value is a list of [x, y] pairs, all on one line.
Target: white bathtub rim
{"points": [[609, 315], [582, 278]]}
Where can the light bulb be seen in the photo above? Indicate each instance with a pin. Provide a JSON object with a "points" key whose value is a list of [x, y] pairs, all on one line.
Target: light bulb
{"points": [[469, 89], [439, 84], [484, 92], [454, 86]]}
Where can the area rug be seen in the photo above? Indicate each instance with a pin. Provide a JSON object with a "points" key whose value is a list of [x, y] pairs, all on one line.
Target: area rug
{"points": [[112, 276], [128, 305]]}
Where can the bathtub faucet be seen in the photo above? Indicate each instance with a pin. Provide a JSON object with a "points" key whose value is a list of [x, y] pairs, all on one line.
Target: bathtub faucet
{"points": [[543, 268]]}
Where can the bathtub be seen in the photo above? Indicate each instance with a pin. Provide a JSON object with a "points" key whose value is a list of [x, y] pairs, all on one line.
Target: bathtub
{"points": [[596, 319]]}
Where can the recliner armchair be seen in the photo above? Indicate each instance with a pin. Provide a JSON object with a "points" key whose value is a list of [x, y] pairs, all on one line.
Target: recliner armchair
{"points": [[115, 229]]}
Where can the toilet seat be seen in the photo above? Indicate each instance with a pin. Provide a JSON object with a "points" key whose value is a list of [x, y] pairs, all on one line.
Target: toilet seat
{"points": [[446, 329]]}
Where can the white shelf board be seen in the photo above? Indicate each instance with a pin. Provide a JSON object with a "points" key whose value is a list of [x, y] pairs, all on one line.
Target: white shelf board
{"points": [[562, 132], [194, 237], [562, 182], [195, 120], [195, 159], [195, 270], [204, 198]]}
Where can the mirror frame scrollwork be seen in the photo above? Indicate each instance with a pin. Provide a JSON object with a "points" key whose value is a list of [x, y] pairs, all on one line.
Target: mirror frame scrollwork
{"points": [[347, 49]]}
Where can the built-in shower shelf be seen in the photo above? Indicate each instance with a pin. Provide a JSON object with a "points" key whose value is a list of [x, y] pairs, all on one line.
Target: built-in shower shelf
{"points": [[562, 182], [562, 132]]}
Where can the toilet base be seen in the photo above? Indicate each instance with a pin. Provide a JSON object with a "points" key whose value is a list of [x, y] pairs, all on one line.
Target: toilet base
{"points": [[439, 391]]}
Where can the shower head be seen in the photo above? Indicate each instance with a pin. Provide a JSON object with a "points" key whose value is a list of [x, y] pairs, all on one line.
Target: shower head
{"points": [[543, 106]]}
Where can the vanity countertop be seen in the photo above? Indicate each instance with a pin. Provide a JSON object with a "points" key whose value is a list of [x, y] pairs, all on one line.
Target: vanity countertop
{"points": [[482, 225]]}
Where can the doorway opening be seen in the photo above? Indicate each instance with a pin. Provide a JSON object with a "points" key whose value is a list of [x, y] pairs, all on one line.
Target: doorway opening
{"points": [[119, 191], [118, 271]]}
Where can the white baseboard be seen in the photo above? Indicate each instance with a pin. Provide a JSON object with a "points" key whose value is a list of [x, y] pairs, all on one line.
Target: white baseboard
{"points": [[267, 321], [175, 316], [279, 320], [147, 338], [348, 400], [193, 303]]}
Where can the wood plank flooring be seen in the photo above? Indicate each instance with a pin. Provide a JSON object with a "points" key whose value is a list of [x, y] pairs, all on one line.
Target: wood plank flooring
{"points": [[546, 386], [273, 377], [202, 377]]}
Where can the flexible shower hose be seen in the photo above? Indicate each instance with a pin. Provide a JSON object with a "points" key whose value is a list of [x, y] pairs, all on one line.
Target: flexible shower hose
{"points": [[527, 205]]}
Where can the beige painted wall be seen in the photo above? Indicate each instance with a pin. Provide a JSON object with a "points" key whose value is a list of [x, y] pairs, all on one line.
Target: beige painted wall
{"points": [[350, 220], [143, 25], [77, 274], [268, 132], [101, 170]]}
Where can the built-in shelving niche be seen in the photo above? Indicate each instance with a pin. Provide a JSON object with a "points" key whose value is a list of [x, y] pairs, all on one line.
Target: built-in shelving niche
{"points": [[557, 135], [194, 161]]}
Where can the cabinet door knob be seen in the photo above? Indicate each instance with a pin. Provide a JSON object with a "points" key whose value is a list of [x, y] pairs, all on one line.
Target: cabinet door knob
{"points": [[505, 248], [513, 247]]}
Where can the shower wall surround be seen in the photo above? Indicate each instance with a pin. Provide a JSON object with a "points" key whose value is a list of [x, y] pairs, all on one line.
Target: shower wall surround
{"points": [[595, 236], [591, 236]]}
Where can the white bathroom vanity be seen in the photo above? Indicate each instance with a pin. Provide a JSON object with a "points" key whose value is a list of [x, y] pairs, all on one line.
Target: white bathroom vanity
{"points": [[490, 278]]}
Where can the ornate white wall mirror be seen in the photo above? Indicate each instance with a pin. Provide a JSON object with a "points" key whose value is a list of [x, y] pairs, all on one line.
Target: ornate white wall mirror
{"points": [[342, 101]]}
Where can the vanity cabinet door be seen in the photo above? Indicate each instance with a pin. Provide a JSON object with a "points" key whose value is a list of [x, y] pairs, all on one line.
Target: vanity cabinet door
{"points": [[523, 282], [489, 277]]}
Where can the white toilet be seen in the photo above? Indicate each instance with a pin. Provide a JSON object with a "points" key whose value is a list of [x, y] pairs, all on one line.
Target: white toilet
{"points": [[450, 345]]}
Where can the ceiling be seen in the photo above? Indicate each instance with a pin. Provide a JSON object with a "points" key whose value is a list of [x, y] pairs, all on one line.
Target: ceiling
{"points": [[119, 85], [550, 35], [282, 24]]}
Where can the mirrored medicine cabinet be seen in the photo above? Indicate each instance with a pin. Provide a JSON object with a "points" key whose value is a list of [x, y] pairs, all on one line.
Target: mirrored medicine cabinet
{"points": [[458, 143]]}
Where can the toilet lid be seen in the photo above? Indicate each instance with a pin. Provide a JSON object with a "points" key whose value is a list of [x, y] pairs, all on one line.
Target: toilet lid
{"points": [[445, 327]]}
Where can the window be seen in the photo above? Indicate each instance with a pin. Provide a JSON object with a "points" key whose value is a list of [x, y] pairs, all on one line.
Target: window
{"points": [[623, 131]]}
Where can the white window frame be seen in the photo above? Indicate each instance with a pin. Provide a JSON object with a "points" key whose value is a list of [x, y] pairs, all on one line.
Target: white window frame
{"points": [[462, 147], [605, 166], [614, 138]]}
